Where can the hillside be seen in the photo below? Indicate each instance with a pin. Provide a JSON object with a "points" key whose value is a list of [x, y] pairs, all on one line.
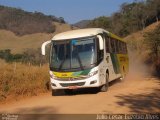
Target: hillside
{"points": [[143, 47], [20, 30], [8, 40], [130, 18], [22, 22], [139, 35], [136, 41], [82, 23]]}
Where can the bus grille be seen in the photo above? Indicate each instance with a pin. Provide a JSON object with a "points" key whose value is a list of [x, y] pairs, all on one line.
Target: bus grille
{"points": [[71, 78], [72, 84]]}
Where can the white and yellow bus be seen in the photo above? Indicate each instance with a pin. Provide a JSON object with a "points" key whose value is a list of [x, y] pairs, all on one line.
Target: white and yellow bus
{"points": [[86, 58]]}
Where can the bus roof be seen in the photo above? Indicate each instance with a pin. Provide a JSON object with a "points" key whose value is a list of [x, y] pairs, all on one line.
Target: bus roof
{"points": [[78, 33], [82, 33]]}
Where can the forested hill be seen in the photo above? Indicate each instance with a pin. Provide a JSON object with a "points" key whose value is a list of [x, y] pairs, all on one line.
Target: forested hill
{"points": [[82, 23], [130, 18], [21, 22]]}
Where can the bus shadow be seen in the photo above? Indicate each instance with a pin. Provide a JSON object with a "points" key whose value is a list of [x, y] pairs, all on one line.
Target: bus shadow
{"points": [[84, 91], [141, 103], [87, 90], [113, 82]]}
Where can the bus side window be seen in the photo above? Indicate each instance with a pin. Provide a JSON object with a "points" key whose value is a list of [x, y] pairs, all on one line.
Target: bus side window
{"points": [[125, 48], [112, 45], [121, 47], [107, 45], [100, 53], [117, 48]]}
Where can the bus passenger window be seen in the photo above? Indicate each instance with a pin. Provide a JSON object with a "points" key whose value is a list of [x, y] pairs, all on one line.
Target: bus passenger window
{"points": [[112, 45], [117, 48], [107, 44], [124, 48], [121, 47]]}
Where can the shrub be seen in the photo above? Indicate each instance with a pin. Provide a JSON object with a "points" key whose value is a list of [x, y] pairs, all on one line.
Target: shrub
{"points": [[22, 80]]}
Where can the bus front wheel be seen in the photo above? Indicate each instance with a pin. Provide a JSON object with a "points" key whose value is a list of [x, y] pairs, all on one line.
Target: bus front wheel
{"points": [[104, 87]]}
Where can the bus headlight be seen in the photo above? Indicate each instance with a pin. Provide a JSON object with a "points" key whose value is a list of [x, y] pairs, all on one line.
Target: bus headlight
{"points": [[92, 73]]}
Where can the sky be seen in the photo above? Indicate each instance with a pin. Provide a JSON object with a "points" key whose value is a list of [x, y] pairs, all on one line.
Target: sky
{"points": [[71, 10]]}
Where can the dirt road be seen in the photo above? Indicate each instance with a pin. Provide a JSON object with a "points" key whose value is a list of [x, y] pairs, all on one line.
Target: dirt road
{"points": [[133, 95]]}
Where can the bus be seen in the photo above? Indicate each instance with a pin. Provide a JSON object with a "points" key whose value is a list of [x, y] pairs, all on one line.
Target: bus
{"points": [[86, 58]]}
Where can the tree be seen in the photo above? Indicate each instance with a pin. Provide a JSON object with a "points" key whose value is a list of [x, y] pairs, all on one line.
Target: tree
{"points": [[101, 22], [152, 39]]}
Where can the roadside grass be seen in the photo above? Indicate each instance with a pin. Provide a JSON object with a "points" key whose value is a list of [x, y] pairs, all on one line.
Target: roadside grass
{"points": [[18, 79]]}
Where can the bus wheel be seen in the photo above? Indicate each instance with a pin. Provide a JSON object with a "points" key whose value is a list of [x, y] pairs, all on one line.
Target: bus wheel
{"points": [[104, 87]]}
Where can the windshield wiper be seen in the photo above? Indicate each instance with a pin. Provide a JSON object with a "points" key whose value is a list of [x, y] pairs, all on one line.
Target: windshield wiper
{"points": [[60, 67], [79, 60]]}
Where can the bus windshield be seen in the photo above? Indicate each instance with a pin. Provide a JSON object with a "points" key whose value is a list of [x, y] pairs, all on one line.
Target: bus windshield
{"points": [[74, 54]]}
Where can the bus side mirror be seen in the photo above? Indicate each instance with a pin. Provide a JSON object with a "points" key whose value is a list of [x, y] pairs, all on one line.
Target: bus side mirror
{"points": [[43, 48], [100, 42]]}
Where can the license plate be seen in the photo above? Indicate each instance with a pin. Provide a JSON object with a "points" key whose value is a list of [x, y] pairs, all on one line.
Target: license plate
{"points": [[72, 87]]}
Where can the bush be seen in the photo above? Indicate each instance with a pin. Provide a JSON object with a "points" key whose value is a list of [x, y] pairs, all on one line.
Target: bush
{"points": [[34, 57], [8, 57], [152, 40], [22, 80], [29, 56]]}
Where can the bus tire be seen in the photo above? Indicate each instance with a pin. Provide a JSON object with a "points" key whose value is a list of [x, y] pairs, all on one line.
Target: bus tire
{"points": [[104, 87]]}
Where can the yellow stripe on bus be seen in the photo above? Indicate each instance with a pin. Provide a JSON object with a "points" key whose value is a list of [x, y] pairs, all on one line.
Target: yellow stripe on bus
{"points": [[63, 75]]}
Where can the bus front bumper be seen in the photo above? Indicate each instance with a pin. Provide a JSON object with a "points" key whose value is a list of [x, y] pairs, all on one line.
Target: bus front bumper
{"points": [[85, 83]]}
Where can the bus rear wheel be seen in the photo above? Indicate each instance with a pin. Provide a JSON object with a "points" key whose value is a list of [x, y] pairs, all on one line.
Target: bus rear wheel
{"points": [[104, 87]]}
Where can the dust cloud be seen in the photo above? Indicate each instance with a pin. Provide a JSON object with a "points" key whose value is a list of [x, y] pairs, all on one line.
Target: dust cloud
{"points": [[137, 68]]}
